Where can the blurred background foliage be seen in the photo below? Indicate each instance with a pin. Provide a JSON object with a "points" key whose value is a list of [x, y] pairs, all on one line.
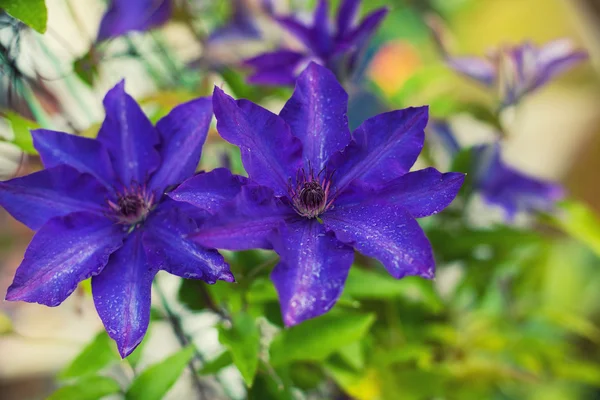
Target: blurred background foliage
{"points": [[514, 312]]}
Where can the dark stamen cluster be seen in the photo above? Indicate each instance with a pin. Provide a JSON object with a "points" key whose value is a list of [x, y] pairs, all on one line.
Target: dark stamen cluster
{"points": [[310, 194], [133, 205]]}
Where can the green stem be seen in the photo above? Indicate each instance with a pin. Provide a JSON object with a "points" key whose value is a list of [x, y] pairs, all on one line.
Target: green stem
{"points": [[184, 341]]}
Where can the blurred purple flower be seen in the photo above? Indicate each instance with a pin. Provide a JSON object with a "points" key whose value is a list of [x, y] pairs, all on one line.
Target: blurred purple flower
{"points": [[99, 212], [519, 70], [241, 25], [316, 192], [499, 183], [336, 48], [504, 186], [124, 16]]}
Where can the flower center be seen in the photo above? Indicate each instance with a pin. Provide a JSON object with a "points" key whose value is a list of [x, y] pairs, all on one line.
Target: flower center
{"points": [[132, 206], [310, 194]]}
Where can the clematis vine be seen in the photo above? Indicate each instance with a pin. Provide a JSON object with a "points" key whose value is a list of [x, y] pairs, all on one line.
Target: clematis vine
{"points": [[519, 70], [99, 211], [315, 192], [336, 48], [124, 16], [499, 183]]}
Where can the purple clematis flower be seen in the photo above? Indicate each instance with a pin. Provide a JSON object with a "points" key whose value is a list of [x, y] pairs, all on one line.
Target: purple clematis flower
{"points": [[124, 16], [241, 25], [505, 186], [99, 211], [336, 48], [316, 192], [499, 183], [519, 70]]}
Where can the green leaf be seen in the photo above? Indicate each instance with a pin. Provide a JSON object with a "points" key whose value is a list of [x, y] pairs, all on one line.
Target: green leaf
{"points": [[214, 366], [371, 285], [579, 371], [353, 355], [86, 67], [32, 12], [276, 386], [155, 382], [21, 129], [306, 375], [360, 385], [579, 221], [243, 341], [316, 339], [190, 294], [463, 162], [363, 284], [482, 113], [261, 290], [95, 356], [90, 388]]}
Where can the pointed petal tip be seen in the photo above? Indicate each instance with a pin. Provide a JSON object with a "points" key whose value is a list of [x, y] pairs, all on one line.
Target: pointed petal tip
{"points": [[380, 12], [289, 321], [429, 274], [314, 70], [219, 96], [10, 295], [125, 349], [227, 277], [20, 294], [118, 87]]}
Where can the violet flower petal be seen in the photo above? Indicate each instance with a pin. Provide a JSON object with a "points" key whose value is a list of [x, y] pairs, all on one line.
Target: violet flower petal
{"points": [[322, 41], [384, 148], [83, 154], [274, 68], [245, 223], [298, 29], [312, 272], [270, 153], [122, 294], [275, 77], [129, 137], [509, 188], [387, 233], [422, 193], [64, 252], [476, 68], [209, 191], [555, 58], [36, 198], [274, 60], [316, 114], [168, 248], [240, 25], [359, 36], [183, 133], [346, 15], [124, 16]]}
